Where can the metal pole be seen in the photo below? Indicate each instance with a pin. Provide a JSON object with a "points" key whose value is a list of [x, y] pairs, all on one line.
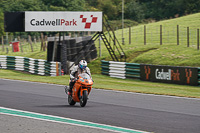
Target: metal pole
{"points": [[54, 49], [160, 34], [66, 69], [129, 35], [2, 42], [144, 34], [99, 46], [114, 44], [7, 43], [177, 34], [198, 39], [188, 37], [122, 22]]}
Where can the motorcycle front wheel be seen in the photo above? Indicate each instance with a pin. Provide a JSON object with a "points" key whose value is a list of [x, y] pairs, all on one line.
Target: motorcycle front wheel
{"points": [[83, 99]]}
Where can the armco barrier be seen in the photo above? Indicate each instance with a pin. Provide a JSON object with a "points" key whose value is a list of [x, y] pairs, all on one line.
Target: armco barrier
{"points": [[35, 66], [120, 69]]}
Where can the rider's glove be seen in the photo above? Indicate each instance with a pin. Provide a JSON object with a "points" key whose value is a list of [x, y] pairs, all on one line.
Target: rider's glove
{"points": [[74, 79]]}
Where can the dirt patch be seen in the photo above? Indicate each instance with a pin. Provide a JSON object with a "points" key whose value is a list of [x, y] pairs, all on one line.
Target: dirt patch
{"points": [[133, 55]]}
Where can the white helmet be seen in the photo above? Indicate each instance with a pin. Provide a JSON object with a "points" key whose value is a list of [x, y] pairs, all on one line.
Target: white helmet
{"points": [[82, 64]]}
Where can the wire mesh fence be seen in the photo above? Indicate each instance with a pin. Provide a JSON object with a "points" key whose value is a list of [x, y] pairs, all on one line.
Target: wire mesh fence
{"points": [[28, 43], [161, 35]]}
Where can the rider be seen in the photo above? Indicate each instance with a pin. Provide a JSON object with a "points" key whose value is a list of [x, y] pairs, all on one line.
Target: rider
{"points": [[78, 69]]}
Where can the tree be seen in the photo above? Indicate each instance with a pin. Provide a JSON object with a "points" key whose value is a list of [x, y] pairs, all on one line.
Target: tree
{"points": [[135, 11], [68, 5], [22, 5], [191, 6], [1, 23]]}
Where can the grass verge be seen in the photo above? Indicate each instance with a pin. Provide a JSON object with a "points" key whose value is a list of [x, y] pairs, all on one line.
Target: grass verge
{"points": [[105, 82], [152, 53]]}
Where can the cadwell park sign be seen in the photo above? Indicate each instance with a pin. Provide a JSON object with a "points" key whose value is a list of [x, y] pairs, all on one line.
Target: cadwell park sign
{"points": [[34, 21], [63, 21], [62, 49]]}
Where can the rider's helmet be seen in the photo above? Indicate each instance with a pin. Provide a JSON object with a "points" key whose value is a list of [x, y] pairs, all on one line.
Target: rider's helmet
{"points": [[82, 64]]}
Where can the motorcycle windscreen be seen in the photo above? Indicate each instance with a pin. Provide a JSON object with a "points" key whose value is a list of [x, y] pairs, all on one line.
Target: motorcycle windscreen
{"points": [[85, 76]]}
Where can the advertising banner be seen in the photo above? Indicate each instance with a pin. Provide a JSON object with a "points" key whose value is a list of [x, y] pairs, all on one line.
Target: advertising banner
{"points": [[63, 21], [169, 74]]}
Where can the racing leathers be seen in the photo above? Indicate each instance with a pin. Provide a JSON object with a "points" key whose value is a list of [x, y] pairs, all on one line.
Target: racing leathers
{"points": [[74, 75]]}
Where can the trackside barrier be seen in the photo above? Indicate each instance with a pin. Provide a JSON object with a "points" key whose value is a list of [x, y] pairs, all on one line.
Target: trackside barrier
{"points": [[34, 66], [154, 73], [120, 69]]}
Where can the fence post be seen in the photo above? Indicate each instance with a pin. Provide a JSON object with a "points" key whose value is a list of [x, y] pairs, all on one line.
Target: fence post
{"points": [[35, 40], [30, 41], [7, 42], [129, 35], [177, 34], [160, 34], [45, 43], [188, 37], [38, 37], [42, 42], [144, 34], [2, 42], [198, 39]]}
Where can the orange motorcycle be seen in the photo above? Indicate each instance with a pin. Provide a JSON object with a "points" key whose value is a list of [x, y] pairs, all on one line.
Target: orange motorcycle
{"points": [[81, 90]]}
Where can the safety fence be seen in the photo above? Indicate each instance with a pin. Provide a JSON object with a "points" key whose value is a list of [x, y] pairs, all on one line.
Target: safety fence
{"points": [[153, 73], [34, 66], [161, 34], [34, 42], [121, 69]]}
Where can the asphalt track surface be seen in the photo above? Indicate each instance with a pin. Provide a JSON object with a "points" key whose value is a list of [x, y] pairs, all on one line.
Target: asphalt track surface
{"points": [[152, 113]]}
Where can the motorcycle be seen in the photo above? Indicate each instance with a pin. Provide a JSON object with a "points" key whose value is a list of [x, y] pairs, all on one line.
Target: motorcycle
{"points": [[80, 90]]}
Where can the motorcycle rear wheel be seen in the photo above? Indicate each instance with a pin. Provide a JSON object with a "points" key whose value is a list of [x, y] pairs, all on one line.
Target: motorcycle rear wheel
{"points": [[70, 100], [83, 99]]}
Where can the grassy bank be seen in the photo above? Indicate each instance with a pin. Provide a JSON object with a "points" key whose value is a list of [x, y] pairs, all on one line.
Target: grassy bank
{"points": [[169, 53], [105, 82]]}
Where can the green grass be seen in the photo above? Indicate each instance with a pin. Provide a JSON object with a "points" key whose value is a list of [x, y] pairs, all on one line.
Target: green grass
{"points": [[169, 53], [36, 54], [105, 82], [152, 53], [169, 31]]}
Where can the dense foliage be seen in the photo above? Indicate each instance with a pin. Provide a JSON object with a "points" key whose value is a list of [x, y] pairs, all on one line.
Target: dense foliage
{"points": [[137, 10]]}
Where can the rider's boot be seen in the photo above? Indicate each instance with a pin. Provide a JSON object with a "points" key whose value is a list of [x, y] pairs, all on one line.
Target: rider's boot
{"points": [[70, 89], [69, 92]]}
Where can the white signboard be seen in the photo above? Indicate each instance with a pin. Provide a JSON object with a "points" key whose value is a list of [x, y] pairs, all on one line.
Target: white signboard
{"points": [[63, 21]]}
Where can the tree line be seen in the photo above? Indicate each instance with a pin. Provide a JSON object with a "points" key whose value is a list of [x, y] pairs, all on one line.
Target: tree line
{"points": [[136, 10]]}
